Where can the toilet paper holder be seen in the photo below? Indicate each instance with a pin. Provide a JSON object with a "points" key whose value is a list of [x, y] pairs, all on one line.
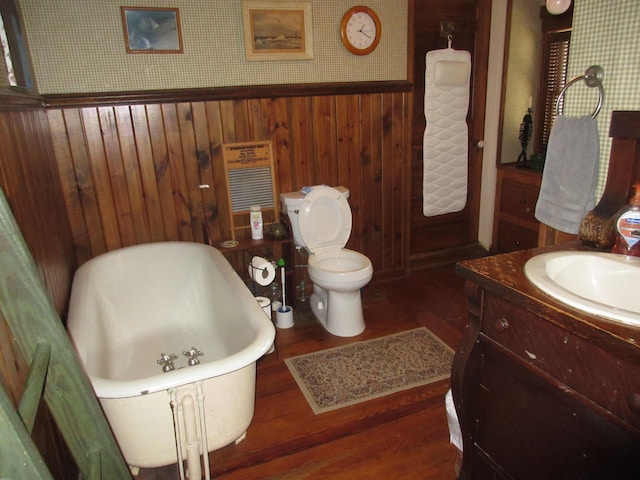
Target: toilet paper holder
{"points": [[262, 271]]}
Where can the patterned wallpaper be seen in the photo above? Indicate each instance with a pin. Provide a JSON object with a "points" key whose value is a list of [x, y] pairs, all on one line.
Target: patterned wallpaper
{"points": [[78, 46], [605, 33]]}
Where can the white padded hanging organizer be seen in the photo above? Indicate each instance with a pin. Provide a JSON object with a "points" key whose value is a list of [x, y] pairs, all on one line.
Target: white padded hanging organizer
{"points": [[445, 153]]}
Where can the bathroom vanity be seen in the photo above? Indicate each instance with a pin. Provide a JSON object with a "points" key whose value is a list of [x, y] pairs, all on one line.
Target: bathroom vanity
{"points": [[543, 390]]}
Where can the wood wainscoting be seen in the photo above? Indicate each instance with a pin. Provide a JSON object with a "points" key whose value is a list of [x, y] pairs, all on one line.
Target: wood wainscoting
{"points": [[132, 166]]}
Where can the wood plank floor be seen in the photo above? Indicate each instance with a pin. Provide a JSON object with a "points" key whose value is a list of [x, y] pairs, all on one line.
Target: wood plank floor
{"points": [[400, 436]]}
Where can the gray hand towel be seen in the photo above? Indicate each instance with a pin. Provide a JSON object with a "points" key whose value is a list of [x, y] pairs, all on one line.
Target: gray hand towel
{"points": [[570, 175]]}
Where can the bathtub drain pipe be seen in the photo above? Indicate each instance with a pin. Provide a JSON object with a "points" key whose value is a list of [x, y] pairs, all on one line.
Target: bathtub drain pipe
{"points": [[175, 407], [191, 437], [203, 429]]}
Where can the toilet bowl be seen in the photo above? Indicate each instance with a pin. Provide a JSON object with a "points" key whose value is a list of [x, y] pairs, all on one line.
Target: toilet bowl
{"points": [[320, 219]]}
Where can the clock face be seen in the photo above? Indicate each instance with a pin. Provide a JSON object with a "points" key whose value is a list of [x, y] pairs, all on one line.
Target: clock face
{"points": [[360, 30]]}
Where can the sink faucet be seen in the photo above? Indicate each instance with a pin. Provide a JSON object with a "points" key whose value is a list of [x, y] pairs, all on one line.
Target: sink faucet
{"points": [[192, 356]]}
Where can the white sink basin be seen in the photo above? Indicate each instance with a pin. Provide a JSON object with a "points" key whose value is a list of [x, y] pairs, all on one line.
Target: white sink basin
{"points": [[603, 284]]}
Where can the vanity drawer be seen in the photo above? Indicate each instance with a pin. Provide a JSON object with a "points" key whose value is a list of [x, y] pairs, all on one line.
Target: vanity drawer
{"points": [[515, 237], [519, 199], [610, 382]]}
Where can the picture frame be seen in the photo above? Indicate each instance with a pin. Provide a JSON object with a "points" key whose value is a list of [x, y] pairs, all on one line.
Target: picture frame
{"points": [[151, 30], [276, 30]]}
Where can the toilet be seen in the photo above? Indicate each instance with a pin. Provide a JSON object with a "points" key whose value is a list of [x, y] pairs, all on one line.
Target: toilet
{"points": [[320, 219]]}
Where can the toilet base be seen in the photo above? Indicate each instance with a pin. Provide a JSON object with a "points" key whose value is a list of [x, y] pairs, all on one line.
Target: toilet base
{"points": [[340, 313]]}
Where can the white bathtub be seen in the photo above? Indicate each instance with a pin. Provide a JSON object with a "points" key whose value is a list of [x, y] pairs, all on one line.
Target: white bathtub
{"points": [[129, 306]]}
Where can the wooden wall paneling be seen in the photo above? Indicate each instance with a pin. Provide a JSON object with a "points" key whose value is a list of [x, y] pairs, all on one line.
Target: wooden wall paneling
{"points": [[138, 215], [351, 166], [31, 185], [301, 146], [324, 168], [161, 166], [256, 122], [117, 178], [349, 123], [144, 164], [56, 261], [228, 122], [97, 167], [374, 185], [387, 182], [236, 128], [62, 124], [244, 132], [176, 172], [217, 219], [114, 172], [367, 198], [398, 194], [280, 137], [149, 192], [344, 139], [205, 167], [13, 174], [191, 165]]}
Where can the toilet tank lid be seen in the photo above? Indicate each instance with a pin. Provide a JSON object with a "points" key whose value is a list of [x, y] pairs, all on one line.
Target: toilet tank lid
{"points": [[296, 198]]}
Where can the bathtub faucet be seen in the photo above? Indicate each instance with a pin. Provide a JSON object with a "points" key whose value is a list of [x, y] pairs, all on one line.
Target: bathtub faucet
{"points": [[192, 356], [166, 360]]}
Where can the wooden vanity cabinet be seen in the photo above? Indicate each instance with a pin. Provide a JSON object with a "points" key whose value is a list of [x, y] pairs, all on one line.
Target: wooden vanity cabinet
{"points": [[515, 226], [540, 392]]}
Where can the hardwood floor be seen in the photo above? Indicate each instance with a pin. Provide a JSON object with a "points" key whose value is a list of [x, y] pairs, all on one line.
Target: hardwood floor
{"points": [[400, 436]]}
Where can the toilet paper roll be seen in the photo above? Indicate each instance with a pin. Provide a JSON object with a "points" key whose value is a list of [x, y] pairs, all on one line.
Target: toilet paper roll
{"points": [[265, 304], [261, 271]]}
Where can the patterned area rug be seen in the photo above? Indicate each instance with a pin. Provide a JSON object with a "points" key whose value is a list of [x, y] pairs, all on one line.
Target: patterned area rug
{"points": [[342, 376]]}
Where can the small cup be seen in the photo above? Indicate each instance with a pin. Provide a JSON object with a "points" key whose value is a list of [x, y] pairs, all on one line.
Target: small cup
{"points": [[284, 317]]}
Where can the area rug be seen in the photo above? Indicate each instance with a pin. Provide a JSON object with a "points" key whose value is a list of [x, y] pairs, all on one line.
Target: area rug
{"points": [[342, 376]]}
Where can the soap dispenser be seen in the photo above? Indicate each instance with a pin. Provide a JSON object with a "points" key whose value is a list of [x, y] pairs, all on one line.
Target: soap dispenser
{"points": [[628, 227]]}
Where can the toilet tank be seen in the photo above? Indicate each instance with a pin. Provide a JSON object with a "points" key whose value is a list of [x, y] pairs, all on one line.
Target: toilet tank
{"points": [[290, 204]]}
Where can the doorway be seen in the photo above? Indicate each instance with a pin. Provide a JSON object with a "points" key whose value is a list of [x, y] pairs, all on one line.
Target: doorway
{"points": [[450, 235]]}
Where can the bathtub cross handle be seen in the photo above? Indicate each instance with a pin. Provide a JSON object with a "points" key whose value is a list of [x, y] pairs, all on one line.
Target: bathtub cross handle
{"points": [[166, 360], [192, 356]]}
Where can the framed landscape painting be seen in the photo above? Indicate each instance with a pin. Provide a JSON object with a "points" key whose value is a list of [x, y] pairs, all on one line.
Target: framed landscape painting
{"points": [[277, 30]]}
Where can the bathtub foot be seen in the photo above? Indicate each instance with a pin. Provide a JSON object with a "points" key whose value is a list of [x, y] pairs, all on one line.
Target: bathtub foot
{"points": [[241, 437], [134, 470]]}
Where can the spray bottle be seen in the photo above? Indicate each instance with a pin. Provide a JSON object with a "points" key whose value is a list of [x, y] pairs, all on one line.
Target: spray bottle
{"points": [[628, 227]]}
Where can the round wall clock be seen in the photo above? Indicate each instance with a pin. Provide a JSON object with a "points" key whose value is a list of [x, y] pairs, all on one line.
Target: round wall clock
{"points": [[360, 30]]}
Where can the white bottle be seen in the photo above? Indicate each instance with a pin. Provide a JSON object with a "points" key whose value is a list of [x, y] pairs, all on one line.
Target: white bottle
{"points": [[255, 218]]}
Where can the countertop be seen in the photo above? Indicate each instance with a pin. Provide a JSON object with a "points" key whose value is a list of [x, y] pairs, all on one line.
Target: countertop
{"points": [[504, 276]]}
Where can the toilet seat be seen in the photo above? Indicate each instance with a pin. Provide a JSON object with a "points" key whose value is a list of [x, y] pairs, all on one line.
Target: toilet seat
{"points": [[324, 220]]}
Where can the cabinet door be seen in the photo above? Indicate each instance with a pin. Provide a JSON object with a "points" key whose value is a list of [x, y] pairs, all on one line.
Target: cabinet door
{"points": [[519, 199], [513, 237], [515, 226], [533, 428]]}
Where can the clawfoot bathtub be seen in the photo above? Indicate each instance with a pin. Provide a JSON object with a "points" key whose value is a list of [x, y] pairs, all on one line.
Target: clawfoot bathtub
{"points": [[138, 317]]}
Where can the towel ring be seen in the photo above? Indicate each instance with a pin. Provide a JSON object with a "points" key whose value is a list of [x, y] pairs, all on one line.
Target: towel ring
{"points": [[592, 78]]}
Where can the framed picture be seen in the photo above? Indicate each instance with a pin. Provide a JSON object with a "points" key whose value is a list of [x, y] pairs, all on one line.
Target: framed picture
{"points": [[151, 30], [277, 30]]}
